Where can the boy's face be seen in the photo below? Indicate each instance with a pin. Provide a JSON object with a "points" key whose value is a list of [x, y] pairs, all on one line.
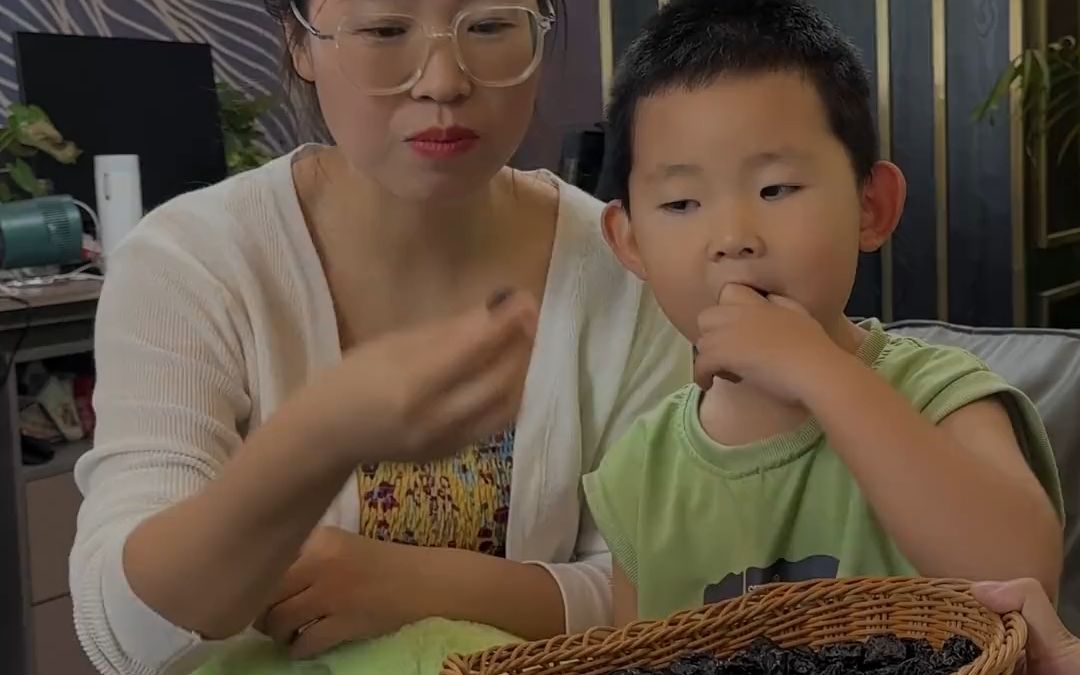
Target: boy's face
{"points": [[743, 182]]}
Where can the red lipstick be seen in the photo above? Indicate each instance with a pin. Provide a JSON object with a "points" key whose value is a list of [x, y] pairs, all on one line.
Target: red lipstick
{"points": [[443, 142]]}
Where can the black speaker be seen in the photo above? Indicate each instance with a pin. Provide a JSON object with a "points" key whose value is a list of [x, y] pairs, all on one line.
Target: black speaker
{"points": [[582, 158]]}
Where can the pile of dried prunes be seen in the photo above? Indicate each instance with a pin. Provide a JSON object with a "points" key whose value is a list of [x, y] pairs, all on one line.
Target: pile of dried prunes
{"points": [[879, 655]]}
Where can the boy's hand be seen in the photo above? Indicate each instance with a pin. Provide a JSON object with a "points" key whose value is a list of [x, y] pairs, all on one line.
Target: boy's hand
{"points": [[772, 343]]}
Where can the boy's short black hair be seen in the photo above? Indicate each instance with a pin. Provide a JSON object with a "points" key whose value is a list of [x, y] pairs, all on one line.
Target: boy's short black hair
{"points": [[690, 43]]}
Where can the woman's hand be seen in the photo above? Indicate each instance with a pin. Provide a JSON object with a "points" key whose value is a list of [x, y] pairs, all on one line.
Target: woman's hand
{"points": [[344, 588], [408, 395], [1051, 649], [427, 392]]}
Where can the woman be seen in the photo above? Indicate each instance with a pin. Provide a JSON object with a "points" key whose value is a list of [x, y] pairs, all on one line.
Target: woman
{"points": [[283, 359], [1051, 649]]}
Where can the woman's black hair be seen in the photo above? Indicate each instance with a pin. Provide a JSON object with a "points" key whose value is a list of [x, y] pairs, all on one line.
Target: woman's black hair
{"points": [[302, 92]]}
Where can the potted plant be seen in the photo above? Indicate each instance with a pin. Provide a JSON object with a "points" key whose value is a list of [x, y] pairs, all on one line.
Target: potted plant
{"points": [[240, 113], [1048, 81], [28, 132]]}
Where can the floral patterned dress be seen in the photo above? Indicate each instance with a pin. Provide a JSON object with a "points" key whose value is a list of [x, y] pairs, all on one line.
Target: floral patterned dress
{"points": [[459, 502]]}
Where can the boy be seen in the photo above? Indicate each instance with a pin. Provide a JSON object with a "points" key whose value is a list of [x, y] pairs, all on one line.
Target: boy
{"points": [[811, 447]]}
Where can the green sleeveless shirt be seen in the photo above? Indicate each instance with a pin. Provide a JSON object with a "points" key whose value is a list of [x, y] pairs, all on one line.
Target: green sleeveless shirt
{"points": [[691, 522]]}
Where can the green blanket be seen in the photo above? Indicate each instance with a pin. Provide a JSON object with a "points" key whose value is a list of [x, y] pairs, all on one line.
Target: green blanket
{"points": [[419, 649]]}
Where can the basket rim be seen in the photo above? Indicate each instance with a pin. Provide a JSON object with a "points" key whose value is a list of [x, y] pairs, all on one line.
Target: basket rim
{"points": [[1005, 646]]}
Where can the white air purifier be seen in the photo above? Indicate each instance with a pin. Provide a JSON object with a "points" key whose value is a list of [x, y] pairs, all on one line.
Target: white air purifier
{"points": [[119, 198]]}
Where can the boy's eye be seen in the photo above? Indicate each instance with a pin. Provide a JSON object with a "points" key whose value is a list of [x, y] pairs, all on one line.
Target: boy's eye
{"points": [[774, 192], [680, 206]]}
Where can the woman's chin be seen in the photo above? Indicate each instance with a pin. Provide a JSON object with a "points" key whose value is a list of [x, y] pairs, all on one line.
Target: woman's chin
{"points": [[442, 184]]}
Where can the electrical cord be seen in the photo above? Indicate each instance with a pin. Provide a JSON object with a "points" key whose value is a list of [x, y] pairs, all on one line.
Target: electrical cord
{"points": [[93, 216], [11, 289]]}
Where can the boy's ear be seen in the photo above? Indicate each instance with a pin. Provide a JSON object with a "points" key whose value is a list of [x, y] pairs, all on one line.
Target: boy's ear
{"points": [[620, 237], [883, 198]]}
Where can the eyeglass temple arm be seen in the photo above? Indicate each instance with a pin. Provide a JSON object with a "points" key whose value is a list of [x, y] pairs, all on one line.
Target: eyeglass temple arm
{"points": [[315, 32]]}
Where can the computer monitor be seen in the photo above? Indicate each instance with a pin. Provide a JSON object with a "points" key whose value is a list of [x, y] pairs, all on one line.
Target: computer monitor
{"points": [[124, 96]]}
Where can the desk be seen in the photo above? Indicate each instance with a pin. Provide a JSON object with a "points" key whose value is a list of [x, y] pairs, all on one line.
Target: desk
{"points": [[39, 504]]}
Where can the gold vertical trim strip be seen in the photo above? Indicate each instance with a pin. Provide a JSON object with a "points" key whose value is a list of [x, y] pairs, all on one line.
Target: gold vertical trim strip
{"points": [[1016, 160], [941, 155], [607, 49], [1040, 38], [884, 82], [1045, 235]]}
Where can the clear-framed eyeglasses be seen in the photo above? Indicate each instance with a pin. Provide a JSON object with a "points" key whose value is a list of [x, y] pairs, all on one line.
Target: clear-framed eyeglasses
{"points": [[386, 53]]}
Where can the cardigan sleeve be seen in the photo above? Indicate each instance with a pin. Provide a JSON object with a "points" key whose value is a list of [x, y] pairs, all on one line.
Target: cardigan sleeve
{"points": [[170, 398], [659, 362]]}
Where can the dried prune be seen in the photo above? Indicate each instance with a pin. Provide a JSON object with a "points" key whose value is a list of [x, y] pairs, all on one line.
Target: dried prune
{"points": [[962, 649], [762, 645], [918, 666], [884, 650], [956, 653], [714, 667], [804, 652], [884, 670], [693, 664], [742, 664], [918, 649], [762, 653], [734, 668], [879, 655], [775, 662], [848, 654], [802, 664]]}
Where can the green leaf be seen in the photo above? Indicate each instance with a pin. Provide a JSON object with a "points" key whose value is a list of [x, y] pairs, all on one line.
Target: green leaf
{"points": [[7, 138], [1066, 62], [1064, 78], [1059, 100], [6, 195], [17, 149], [32, 129], [1028, 60], [1000, 90], [1069, 140], [1059, 114], [1044, 69], [20, 115], [23, 176], [240, 113]]}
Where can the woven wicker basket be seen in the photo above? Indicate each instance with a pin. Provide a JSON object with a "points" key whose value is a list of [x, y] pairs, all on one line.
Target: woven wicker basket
{"points": [[803, 614]]}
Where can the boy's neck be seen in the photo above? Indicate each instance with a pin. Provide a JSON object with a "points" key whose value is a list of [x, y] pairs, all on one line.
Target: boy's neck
{"points": [[739, 414]]}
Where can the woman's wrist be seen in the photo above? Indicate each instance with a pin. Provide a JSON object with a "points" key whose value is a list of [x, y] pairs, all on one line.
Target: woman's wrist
{"points": [[442, 583], [519, 598], [311, 419]]}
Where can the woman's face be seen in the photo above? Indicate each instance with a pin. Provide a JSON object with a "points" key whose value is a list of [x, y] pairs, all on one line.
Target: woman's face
{"points": [[442, 138]]}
